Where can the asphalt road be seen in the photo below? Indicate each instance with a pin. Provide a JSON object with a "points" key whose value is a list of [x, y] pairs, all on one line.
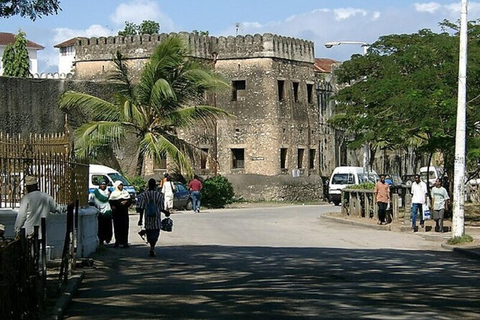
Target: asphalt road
{"points": [[278, 263]]}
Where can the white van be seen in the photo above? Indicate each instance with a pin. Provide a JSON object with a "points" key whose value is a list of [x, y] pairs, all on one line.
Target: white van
{"points": [[98, 173], [431, 174], [344, 176]]}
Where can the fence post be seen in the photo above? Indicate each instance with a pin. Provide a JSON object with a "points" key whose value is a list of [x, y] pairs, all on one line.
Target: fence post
{"points": [[395, 209], [408, 209], [44, 259]]}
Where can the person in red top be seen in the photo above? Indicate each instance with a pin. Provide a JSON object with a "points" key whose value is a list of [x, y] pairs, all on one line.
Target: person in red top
{"points": [[195, 186], [382, 198]]}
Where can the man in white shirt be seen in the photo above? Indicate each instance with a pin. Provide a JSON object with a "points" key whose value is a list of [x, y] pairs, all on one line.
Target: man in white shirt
{"points": [[419, 198], [33, 207]]}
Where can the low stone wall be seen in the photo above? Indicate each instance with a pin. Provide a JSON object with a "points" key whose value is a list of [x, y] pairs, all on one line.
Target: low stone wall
{"points": [[277, 188]]}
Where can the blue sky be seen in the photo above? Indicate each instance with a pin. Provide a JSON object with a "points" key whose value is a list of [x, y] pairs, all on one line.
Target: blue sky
{"points": [[319, 21]]}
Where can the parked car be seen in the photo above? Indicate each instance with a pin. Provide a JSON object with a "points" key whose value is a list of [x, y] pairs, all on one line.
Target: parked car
{"points": [[394, 178], [182, 199]]}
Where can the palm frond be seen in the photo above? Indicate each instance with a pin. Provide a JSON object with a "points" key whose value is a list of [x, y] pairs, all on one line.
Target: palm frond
{"points": [[93, 135], [121, 76], [157, 146], [96, 108]]}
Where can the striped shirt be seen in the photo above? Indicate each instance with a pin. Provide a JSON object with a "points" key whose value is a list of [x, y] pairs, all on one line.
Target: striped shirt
{"points": [[151, 223]]}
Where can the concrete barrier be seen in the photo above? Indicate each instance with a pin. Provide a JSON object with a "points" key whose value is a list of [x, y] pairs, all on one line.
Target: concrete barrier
{"points": [[56, 228]]}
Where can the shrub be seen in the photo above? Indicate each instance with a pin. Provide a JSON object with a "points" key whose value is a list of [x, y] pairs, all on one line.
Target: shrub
{"points": [[362, 186], [139, 183], [217, 192]]}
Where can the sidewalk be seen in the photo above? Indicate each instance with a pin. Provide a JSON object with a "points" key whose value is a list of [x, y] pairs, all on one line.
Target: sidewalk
{"points": [[471, 250]]}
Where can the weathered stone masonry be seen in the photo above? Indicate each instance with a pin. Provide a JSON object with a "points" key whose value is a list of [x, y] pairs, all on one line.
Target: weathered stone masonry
{"points": [[275, 129]]}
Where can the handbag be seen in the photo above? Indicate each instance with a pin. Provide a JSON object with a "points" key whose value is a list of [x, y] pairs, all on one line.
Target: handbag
{"points": [[427, 215], [166, 225]]}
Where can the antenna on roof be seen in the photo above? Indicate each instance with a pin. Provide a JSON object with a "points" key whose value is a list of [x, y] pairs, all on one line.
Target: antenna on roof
{"points": [[237, 28]]}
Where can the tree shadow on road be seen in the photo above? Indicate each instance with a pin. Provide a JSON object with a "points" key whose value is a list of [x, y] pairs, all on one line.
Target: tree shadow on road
{"points": [[225, 282]]}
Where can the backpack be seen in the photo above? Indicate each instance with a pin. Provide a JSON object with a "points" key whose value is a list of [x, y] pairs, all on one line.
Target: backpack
{"points": [[151, 209]]}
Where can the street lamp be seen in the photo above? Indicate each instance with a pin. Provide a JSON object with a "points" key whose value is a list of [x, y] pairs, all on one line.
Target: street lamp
{"points": [[365, 46], [331, 44]]}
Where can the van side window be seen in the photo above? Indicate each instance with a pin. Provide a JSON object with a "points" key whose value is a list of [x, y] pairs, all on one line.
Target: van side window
{"points": [[343, 178], [97, 178]]}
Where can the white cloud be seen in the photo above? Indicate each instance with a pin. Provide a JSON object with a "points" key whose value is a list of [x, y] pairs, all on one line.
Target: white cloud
{"points": [[430, 7], [345, 13], [62, 34], [137, 11]]}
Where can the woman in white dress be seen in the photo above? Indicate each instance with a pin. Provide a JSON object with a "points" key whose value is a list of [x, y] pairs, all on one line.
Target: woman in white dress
{"points": [[168, 191]]}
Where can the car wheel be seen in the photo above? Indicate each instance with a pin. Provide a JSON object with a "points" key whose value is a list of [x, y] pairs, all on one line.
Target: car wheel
{"points": [[189, 205], [337, 203]]}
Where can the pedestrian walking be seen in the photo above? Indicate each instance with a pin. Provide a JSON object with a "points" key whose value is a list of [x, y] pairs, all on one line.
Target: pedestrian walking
{"points": [[34, 206], [382, 198], [151, 204], [440, 201], [100, 199], [120, 201], [419, 199], [168, 191], [195, 186]]}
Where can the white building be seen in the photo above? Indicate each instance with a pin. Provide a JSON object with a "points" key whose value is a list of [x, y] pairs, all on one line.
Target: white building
{"points": [[66, 57], [32, 47]]}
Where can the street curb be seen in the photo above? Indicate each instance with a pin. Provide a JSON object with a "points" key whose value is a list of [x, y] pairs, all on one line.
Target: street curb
{"points": [[387, 227], [472, 252], [67, 295]]}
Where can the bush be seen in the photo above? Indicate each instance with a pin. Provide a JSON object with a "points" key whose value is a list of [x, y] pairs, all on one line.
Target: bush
{"points": [[362, 186], [139, 183], [217, 192]]}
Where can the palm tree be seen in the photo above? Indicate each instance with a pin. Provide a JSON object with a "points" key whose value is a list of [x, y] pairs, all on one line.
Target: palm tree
{"points": [[169, 95]]}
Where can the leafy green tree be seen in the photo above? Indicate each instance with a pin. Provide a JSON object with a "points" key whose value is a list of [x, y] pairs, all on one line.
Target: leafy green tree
{"points": [[31, 9], [15, 58], [130, 29], [170, 95], [402, 93], [146, 27], [8, 59], [149, 27]]}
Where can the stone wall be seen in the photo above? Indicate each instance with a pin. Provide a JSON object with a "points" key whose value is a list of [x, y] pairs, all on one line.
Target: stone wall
{"points": [[277, 188], [93, 55]]}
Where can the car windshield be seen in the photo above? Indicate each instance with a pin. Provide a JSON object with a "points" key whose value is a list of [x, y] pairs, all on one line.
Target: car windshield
{"points": [[117, 176], [343, 178]]}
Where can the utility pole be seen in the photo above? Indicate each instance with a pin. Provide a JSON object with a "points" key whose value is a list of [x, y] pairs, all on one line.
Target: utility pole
{"points": [[458, 221]]}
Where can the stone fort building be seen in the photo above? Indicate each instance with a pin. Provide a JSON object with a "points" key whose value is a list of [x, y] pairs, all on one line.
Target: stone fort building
{"points": [[275, 131]]}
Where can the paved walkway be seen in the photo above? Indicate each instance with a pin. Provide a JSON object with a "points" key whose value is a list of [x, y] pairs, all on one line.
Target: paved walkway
{"points": [[471, 250], [139, 250]]}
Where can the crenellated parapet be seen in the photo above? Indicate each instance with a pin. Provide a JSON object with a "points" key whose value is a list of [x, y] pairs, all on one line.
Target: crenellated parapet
{"points": [[200, 46]]}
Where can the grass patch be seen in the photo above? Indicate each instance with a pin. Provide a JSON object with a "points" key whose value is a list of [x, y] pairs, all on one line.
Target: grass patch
{"points": [[460, 240]]}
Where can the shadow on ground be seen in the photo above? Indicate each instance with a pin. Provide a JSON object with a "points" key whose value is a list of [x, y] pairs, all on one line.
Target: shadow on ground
{"points": [[220, 282]]}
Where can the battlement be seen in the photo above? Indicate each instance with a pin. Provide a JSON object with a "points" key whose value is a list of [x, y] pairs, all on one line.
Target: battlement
{"points": [[200, 46]]}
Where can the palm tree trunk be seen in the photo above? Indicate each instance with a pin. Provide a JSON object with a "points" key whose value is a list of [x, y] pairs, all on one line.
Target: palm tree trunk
{"points": [[140, 160]]}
